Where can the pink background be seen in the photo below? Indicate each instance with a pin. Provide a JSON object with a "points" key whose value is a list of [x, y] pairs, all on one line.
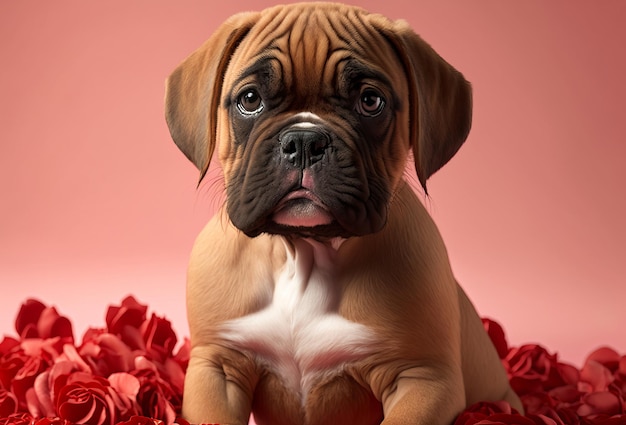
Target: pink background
{"points": [[97, 202]]}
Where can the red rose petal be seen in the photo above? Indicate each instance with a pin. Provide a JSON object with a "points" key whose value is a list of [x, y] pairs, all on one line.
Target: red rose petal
{"points": [[8, 403], [184, 352], [129, 313], [174, 374], [596, 376], [544, 420], [616, 420], [76, 405], [622, 366], [52, 421], [39, 397], [25, 377], [7, 345], [606, 356], [141, 420], [132, 337], [119, 355], [20, 418], [51, 324], [159, 337], [497, 336], [566, 393], [28, 316], [125, 384], [602, 402], [62, 327], [75, 358], [568, 373]]}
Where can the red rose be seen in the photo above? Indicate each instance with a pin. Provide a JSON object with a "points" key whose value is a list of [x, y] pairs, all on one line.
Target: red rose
{"points": [[494, 419], [10, 364], [20, 367], [566, 395], [7, 345], [607, 357], [8, 403], [594, 377], [181, 421], [18, 419], [532, 369], [48, 349], [601, 403], [537, 403], [124, 390], [141, 420], [24, 379], [555, 404], [615, 420], [126, 320], [156, 398], [169, 372], [174, 374], [38, 397], [622, 366], [566, 416], [86, 402], [129, 314], [106, 354], [496, 334], [159, 337], [35, 320], [546, 410], [52, 421], [71, 355], [599, 370], [495, 413], [42, 398], [491, 407], [154, 403], [554, 417], [183, 354], [28, 316]]}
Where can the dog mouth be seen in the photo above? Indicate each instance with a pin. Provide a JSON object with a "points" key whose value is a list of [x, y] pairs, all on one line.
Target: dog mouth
{"points": [[302, 209]]}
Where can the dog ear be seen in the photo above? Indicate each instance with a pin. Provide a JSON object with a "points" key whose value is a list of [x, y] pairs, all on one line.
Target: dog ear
{"points": [[193, 91], [440, 102]]}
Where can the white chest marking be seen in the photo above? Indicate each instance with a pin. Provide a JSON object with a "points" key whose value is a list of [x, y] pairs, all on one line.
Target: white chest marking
{"points": [[300, 334]]}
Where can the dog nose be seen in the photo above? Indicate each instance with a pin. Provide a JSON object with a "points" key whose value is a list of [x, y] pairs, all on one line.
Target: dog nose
{"points": [[303, 147]]}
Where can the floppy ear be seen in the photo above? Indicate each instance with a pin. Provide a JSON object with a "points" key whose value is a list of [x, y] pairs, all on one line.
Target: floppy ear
{"points": [[193, 91], [440, 102]]}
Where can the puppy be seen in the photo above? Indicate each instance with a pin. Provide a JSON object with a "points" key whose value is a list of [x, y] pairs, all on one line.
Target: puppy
{"points": [[321, 293]]}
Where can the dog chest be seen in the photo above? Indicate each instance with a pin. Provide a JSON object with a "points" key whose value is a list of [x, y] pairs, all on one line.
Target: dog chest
{"points": [[300, 336]]}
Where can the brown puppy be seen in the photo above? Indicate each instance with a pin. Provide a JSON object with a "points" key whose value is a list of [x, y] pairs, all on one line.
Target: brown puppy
{"points": [[322, 292]]}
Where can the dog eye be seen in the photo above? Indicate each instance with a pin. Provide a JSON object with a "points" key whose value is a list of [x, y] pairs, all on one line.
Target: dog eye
{"points": [[249, 102], [371, 103]]}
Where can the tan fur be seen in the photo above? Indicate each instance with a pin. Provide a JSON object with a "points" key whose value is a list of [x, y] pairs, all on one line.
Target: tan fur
{"points": [[432, 356]]}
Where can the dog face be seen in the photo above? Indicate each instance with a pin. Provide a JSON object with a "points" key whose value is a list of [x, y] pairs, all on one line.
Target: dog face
{"points": [[314, 110], [315, 144]]}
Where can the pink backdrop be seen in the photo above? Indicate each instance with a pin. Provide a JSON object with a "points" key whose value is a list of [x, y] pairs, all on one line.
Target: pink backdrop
{"points": [[96, 201]]}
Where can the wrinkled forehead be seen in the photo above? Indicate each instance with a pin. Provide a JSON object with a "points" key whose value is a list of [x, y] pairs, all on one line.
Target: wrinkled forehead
{"points": [[318, 44]]}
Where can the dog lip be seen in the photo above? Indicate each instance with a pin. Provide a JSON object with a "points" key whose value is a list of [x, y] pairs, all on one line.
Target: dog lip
{"points": [[300, 194], [301, 208]]}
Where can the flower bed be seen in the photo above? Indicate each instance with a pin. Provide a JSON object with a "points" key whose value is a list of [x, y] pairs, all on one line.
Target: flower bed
{"points": [[132, 370]]}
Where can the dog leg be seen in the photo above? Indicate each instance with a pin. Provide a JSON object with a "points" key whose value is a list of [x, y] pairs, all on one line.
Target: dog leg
{"points": [[216, 392], [420, 396]]}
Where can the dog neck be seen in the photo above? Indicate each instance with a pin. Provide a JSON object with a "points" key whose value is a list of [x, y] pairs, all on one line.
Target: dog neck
{"points": [[300, 335], [319, 253]]}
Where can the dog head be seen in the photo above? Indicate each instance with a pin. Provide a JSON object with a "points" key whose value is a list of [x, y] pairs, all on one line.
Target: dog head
{"points": [[313, 109]]}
